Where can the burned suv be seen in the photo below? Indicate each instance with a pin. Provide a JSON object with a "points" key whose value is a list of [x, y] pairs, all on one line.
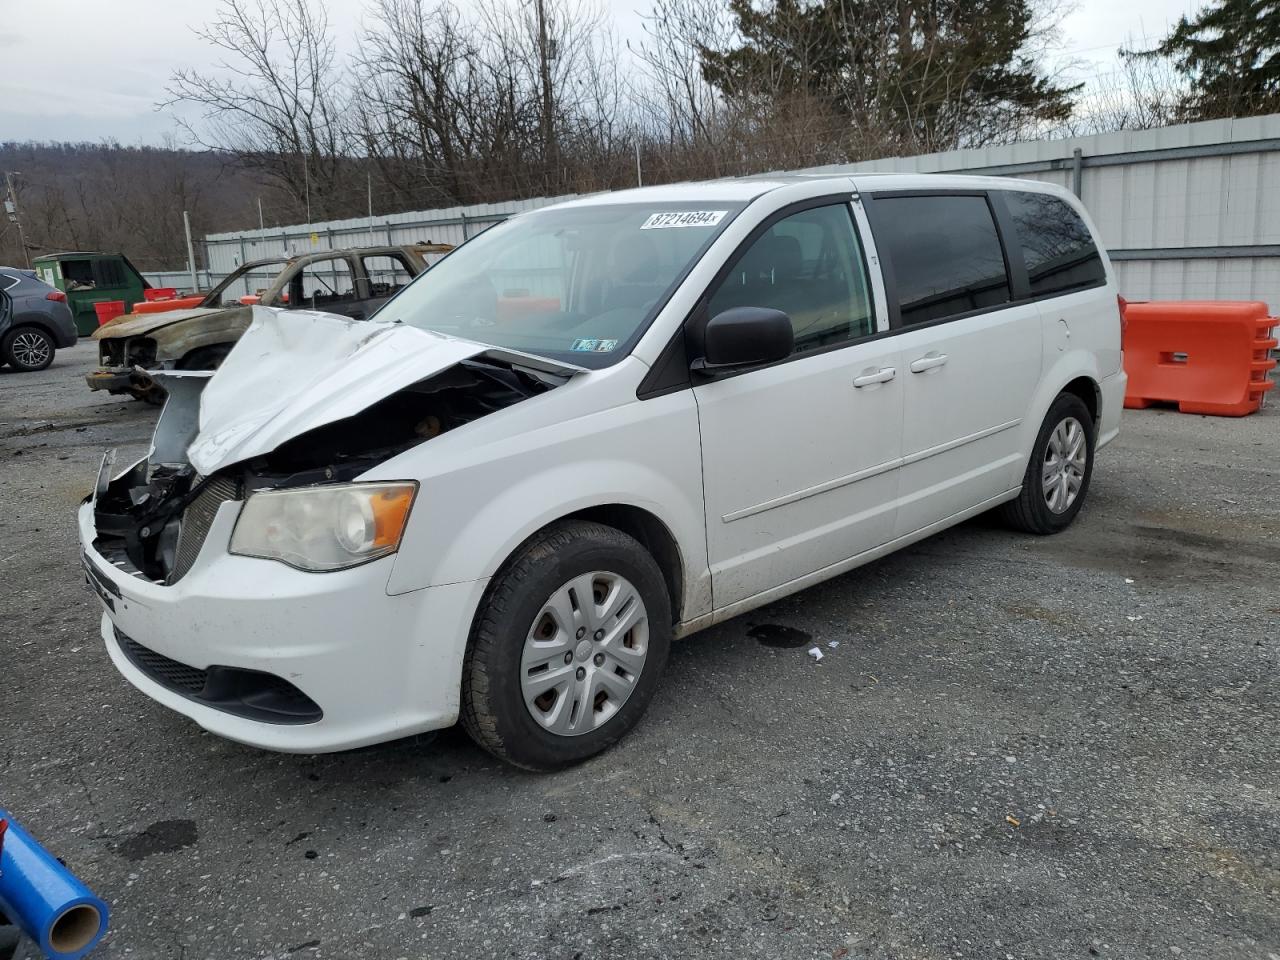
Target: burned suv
{"points": [[352, 283]]}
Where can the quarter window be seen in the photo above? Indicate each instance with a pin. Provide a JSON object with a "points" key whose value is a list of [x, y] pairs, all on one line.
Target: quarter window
{"points": [[945, 253], [808, 265], [1057, 247]]}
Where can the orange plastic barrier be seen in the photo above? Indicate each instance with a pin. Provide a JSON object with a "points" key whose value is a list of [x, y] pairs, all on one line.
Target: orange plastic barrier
{"points": [[108, 310], [161, 306], [160, 293], [1208, 357]]}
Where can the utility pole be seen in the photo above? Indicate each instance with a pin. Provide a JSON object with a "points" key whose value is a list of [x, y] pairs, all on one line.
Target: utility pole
{"points": [[639, 178], [306, 179], [369, 183], [261, 224], [545, 56], [191, 252], [11, 208]]}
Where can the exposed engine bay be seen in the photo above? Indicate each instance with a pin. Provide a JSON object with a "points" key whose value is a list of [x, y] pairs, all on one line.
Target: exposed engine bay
{"points": [[152, 520]]}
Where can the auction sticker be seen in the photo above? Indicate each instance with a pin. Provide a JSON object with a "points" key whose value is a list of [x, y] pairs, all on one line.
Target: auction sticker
{"points": [[684, 218], [594, 346]]}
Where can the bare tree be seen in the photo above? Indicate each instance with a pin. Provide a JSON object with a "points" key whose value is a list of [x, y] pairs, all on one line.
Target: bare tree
{"points": [[276, 100]]}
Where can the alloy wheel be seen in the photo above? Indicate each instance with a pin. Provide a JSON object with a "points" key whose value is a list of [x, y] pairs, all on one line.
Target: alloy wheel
{"points": [[31, 349]]}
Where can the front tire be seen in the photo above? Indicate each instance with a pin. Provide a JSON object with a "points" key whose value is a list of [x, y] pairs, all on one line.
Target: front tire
{"points": [[28, 349], [1057, 477], [567, 648]]}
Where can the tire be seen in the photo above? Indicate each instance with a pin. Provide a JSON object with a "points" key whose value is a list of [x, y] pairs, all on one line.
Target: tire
{"points": [[1035, 510], [517, 630], [27, 349]]}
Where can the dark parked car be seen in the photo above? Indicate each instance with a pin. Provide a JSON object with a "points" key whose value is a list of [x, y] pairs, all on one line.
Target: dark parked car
{"points": [[34, 320]]}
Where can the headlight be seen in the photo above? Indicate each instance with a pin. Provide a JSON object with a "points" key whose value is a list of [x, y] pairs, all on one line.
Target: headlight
{"points": [[324, 528]]}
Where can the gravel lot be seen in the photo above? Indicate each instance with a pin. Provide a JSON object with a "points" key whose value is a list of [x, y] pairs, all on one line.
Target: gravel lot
{"points": [[1014, 748]]}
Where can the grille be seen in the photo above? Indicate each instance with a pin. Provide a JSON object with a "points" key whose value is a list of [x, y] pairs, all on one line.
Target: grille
{"points": [[196, 521], [245, 693], [168, 673]]}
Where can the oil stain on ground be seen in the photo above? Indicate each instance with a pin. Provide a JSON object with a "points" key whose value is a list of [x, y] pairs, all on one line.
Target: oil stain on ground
{"points": [[778, 635], [165, 836]]}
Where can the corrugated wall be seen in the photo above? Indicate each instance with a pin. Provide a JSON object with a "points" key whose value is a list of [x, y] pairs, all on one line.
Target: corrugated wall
{"points": [[1188, 212]]}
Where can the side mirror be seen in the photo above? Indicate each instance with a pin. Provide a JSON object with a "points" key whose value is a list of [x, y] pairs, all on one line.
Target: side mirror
{"points": [[744, 337]]}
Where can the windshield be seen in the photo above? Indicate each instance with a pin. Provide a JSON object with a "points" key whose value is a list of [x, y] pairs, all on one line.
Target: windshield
{"points": [[578, 284], [250, 279]]}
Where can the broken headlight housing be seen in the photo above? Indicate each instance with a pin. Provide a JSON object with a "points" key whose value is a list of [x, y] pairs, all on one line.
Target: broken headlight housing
{"points": [[324, 528]]}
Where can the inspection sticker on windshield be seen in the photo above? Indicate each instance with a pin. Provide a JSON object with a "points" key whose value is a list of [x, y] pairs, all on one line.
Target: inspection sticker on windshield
{"points": [[593, 346], [684, 218]]}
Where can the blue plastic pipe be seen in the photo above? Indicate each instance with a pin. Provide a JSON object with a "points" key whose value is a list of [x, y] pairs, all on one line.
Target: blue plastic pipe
{"points": [[45, 900]]}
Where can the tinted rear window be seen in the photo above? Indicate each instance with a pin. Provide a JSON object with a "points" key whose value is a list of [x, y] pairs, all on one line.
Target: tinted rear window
{"points": [[1056, 245], [945, 253]]}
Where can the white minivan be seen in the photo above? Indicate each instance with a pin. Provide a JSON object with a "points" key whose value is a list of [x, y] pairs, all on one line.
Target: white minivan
{"points": [[592, 429]]}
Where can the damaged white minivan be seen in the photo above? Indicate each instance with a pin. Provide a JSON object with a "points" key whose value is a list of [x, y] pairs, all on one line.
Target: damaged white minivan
{"points": [[591, 429]]}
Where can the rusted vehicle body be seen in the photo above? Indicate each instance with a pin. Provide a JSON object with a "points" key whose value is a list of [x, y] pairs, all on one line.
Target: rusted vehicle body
{"points": [[352, 283]]}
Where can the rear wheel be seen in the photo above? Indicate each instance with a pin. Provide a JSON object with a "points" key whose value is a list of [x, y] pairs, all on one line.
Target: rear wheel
{"points": [[1057, 477], [567, 648], [27, 349]]}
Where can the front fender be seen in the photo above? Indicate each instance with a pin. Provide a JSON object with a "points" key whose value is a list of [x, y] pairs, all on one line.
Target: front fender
{"points": [[645, 454]]}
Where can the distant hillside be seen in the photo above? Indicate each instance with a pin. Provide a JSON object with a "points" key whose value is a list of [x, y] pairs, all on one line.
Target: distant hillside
{"points": [[103, 196]]}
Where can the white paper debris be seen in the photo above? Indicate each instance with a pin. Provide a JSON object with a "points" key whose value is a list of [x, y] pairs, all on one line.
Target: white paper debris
{"points": [[815, 653], [833, 644], [1128, 579]]}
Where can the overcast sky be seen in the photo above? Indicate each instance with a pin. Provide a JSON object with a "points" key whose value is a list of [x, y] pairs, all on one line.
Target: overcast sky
{"points": [[93, 70]]}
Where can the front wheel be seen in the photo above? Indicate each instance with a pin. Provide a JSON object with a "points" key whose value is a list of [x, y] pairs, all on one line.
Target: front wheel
{"points": [[1057, 477], [27, 348], [568, 647]]}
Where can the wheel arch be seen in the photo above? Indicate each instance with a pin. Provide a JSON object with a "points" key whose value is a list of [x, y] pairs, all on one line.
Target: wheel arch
{"points": [[26, 320], [643, 526], [1075, 372], [1089, 392], [652, 534]]}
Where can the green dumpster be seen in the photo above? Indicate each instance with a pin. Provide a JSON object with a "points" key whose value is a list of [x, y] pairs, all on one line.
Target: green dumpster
{"points": [[87, 278]]}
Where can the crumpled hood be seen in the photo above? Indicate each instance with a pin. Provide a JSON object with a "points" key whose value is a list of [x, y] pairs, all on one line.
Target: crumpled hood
{"points": [[296, 370], [132, 324]]}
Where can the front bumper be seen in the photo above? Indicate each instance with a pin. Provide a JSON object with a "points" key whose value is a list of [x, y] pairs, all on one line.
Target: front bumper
{"points": [[378, 667]]}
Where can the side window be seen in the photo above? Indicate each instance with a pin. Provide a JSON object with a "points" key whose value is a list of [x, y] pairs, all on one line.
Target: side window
{"points": [[322, 285], [78, 274], [387, 273], [1056, 245], [810, 267], [945, 254]]}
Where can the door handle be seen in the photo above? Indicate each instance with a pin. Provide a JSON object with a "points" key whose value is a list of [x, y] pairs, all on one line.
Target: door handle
{"points": [[883, 375], [928, 362]]}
